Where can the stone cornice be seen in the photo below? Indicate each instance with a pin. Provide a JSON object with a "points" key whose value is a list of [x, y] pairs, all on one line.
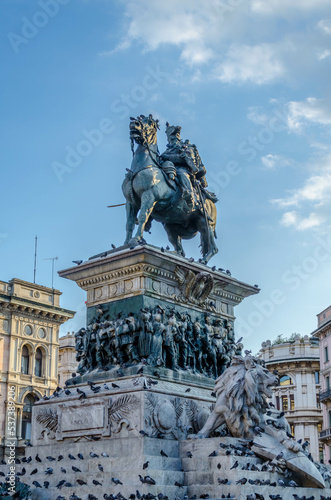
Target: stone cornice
{"points": [[17, 305]]}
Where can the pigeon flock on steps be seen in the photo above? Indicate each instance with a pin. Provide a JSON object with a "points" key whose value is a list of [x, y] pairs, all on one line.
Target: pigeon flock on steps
{"points": [[242, 451]]}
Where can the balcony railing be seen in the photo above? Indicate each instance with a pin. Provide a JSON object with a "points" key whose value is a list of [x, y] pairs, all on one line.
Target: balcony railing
{"points": [[325, 394], [325, 433]]}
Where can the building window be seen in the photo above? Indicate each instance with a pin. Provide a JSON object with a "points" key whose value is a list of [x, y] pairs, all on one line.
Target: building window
{"points": [[28, 330], [38, 363], [327, 382], [329, 419], [292, 429], [284, 403], [317, 377], [291, 401], [326, 354], [285, 380], [318, 405], [29, 401], [277, 403], [25, 360], [319, 427]]}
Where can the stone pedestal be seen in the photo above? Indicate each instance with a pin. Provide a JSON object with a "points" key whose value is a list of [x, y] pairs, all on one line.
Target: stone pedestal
{"points": [[127, 280]]}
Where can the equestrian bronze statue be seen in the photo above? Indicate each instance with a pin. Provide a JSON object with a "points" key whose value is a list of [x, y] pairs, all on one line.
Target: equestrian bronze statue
{"points": [[169, 188]]}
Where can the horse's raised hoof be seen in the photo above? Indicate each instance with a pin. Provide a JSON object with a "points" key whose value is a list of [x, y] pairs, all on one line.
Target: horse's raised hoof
{"points": [[133, 242]]}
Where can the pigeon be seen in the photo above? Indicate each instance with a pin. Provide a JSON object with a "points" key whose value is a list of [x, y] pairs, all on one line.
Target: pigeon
{"points": [[106, 387], [189, 454], [219, 466], [103, 454], [60, 457], [100, 467], [46, 484], [67, 392], [143, 433], [178, 484], [91, 497], [145, 465], [235, 465], [60, 484], [149, 480], [141, 370], [81, 482], [243, 480], [96, 483], [36, 484], [163, 454], [113, 246], [75, 469], [74, 497], [293, 484], [71, 457], [49, 471], [38, 458], [93, 455], [116, 481], [80, 456], [115, 386], [34, 472], [51, 459], [60, 497], [188, 390], [213, 394], [213, 454], [78, 262], [63, 470]]}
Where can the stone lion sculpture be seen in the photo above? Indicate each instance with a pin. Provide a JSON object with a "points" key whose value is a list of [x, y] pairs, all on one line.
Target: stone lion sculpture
{"points": [[241, 403], [242, 393]]}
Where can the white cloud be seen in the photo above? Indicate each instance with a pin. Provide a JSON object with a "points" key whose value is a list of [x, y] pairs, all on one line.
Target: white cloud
{"points": [[323, 55], [271, 161], [325, 26], [313, 197], [290, 219], [204, 33], [258, 64], [283, 6], [310, 111]]}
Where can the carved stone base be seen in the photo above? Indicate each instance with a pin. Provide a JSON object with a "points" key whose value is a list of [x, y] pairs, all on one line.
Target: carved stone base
{"points": [[162, 408]]}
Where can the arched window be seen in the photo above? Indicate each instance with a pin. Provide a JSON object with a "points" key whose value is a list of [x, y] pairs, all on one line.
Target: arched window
{"points": [[285, 380], [25, 360], [38, 363], [29, 401]]}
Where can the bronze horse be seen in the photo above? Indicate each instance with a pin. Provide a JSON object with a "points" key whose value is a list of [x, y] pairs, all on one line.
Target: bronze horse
{"points": [[149, 192]]}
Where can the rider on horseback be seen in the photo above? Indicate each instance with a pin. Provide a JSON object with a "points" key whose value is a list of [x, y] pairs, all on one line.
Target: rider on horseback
{"points": [[189, 166]]}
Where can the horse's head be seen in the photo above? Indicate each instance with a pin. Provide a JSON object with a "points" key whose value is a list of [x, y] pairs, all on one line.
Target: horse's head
{"points": [[143, 130]]}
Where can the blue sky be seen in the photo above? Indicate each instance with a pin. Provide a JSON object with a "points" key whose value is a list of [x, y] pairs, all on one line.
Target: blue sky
{"points": [[248, 81]]}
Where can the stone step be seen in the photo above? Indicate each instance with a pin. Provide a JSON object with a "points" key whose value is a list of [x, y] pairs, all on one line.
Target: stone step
{"points": [[108, 464], [212, 476], [126, 477], [82, 491], [210, 463], [241, 491]]}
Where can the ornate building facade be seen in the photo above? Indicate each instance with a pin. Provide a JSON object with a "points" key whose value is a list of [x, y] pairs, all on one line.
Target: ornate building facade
{"points": [[297, 362], [30, 318], [323, 333], [67, 358]]}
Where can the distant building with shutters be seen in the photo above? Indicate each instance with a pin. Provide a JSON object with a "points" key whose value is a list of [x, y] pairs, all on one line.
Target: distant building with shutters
{"points": [[323, 333], [298, 364], [67, 358], [30, 318]]}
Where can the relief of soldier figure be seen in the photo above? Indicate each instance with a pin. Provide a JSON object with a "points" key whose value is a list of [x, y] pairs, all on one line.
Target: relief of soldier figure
{"points": [[158, 337]]}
